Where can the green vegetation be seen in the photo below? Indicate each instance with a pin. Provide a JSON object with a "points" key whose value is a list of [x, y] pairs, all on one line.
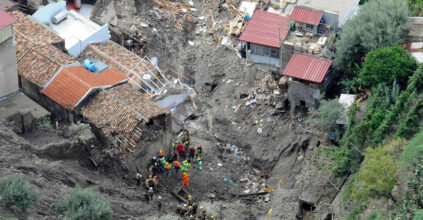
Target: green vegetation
{"points": [[377, 176], [325, 117], [335, 160], [379, 23], [412, 202], [15, 190], [386, 65], [80, 132], [44, 123], [416, 8], [84, 204], [414, 148]]}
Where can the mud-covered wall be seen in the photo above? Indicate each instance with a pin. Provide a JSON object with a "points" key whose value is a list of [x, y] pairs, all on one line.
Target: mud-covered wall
{"points": [[299, 92]]}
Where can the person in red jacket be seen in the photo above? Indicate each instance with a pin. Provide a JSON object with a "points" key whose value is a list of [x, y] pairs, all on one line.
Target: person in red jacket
{"points": [[179, 148], [183, 155], [191, 153]]}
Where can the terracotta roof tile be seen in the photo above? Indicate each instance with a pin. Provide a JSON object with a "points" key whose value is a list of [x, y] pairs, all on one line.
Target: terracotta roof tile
{"points": [[119, 110], [117, 56], [34, 31], [307, 67], [39, 64], [266, 28], [71, 85]]}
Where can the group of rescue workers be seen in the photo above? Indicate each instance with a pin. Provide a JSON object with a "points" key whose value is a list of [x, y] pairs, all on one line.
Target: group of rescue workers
{"points": [[181, 157]]}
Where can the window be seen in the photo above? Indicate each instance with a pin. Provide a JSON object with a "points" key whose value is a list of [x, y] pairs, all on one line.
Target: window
{"points": [[264, 51], [274, 53]]}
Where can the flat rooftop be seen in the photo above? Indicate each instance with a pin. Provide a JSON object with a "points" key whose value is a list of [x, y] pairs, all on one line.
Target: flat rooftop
{"points": [[75, 28], [340, 6], [306, 42]]}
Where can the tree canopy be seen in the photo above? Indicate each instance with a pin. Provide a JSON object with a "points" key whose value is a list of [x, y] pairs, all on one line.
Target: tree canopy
{"points": [[379, 23], [387, 64], [377, 176], [325, 117]]}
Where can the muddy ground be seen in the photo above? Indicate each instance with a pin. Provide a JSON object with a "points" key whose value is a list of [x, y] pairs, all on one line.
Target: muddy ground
{"points": [[273, 146]]}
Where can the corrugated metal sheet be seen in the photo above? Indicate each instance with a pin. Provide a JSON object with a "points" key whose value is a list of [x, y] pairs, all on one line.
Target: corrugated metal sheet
{"points": [[307, 67], [266, 28], [5, 19], [306, 16]]}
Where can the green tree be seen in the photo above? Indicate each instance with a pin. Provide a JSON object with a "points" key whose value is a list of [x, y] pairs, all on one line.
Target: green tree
{"points": [[387, 64], [84, 205], [416, 7], [325, 117], [15, 190], [377, 176], [379, 23]]}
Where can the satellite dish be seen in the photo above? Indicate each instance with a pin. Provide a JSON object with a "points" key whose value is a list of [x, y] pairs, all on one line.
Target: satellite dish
{"points": [[146, 76]]}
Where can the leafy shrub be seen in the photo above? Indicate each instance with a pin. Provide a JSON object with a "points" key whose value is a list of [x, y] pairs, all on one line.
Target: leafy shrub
{"points": [[377, 176], [81, 132], [325, 117], [387, 64], [15, 190], [44, 123], [336, 160], [83, 205]]}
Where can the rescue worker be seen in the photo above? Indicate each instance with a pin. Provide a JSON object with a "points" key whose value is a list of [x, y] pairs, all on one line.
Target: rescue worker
{"points": [[150, 169], [183, 154], [200, 164], [159, 203], [150, 193], [138, 176], [189, 201], [186, 180], [191, 153], [186, 147], [212, 217], [175, 155], [179, 148], [153, 160], [147, 184], [156, 168], [199, 150], [160, 154], [156, 184], [185, 166], [189, 212], [168, 166], [177, 165]]}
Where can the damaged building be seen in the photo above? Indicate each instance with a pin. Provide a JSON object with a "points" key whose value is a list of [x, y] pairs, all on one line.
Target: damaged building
{"points": [[95, 91]]}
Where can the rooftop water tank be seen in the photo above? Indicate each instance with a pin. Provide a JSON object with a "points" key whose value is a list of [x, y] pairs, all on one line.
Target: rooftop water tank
{"points": [[154, 61], [89, 65], [62, 15], [77, 4]]}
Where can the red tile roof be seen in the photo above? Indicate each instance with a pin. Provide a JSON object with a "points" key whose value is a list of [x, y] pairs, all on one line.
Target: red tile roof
{"points": [[38, 64], [307, 67], [5, 19], [119, 111], [72, 84], [266, 28], [33, 30], [306, 16], [118, 57]]}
